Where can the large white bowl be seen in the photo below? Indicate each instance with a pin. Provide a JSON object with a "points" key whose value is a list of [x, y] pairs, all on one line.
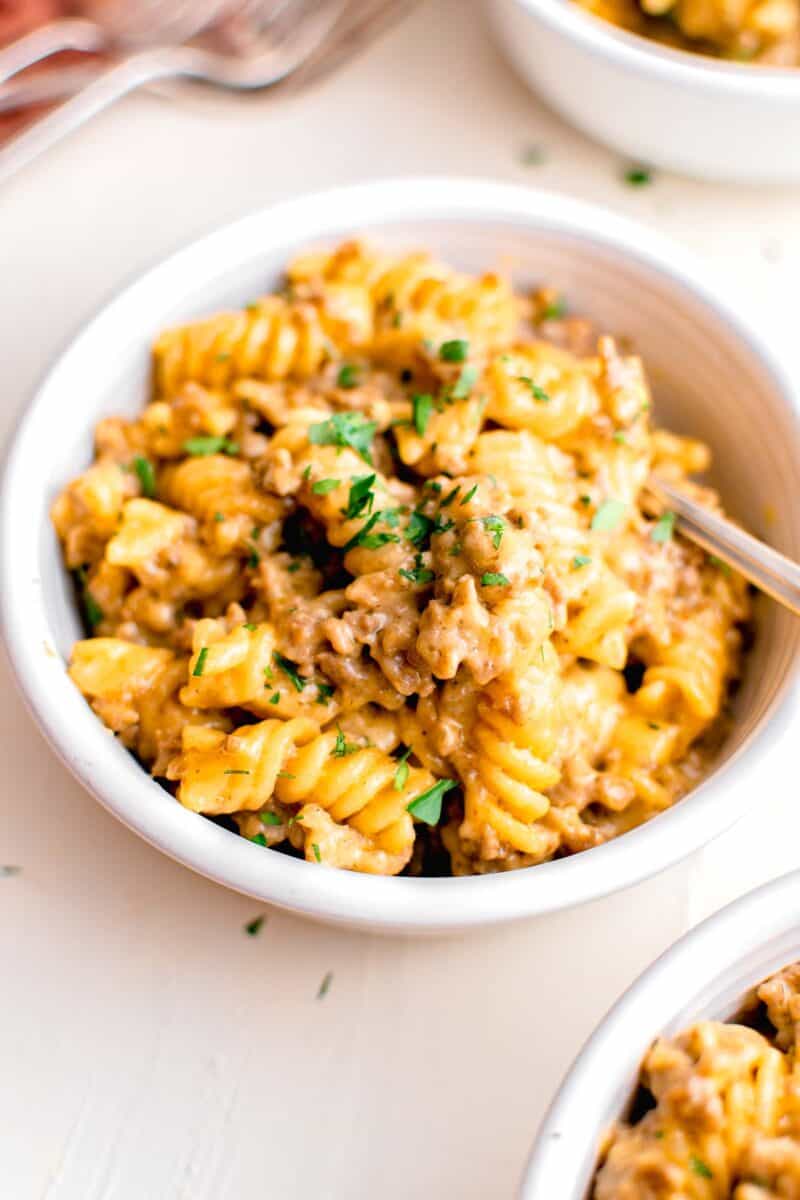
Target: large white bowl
{"points": [[707, 975], [711, 376], [671, 108]]}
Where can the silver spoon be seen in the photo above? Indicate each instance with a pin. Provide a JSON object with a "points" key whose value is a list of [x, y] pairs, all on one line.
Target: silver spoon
{"points": [[770, 571], [264, 45]]}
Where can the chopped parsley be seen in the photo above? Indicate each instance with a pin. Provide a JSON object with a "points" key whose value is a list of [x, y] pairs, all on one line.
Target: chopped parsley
{"points": [[532, 156], [495, 526], [323, 487], [608, 515], [342, 747], [717, 562], [200, 446], [270, 818], [555, 310], [638, 175], [401, 774], [91, 609], [235, 771], [653, 725], [419, 528], [361, 496], [494, 579], [663, 528], [581, 560], [324, 987], [700, 1168], [317, 854], [422, 406], [250, 627], [253, 928], [450, 497], [294, 566], [289, 670], [275, 698], [345, 429], [218, 516], [537, 392], [427, 806], [199, 666], [417, 574], [147, 476], [619, 438], [347, 377], [259, 839], [468, 496], [455, 351], [465, 383], [324, 693]]}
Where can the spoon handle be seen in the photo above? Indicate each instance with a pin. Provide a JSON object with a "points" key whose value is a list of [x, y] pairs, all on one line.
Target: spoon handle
{"points": [[770, 571]]}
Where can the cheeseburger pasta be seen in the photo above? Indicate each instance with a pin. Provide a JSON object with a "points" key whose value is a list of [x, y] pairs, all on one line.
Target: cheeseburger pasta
{"points": [[373, 578], [724, 1120]]}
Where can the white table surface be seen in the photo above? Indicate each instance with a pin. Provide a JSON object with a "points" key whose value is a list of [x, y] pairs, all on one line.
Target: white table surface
{"points": [[149, 1049]]}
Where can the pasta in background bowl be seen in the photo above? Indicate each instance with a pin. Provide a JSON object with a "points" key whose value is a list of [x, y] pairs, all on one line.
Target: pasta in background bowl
{"points": [[719, 387], [688, 1086]]}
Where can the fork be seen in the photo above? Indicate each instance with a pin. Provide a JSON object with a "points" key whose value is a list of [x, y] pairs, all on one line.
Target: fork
{"points": [[265, 45]]}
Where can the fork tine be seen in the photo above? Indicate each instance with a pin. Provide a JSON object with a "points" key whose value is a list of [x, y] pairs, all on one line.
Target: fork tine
{"points": [[356, 29]]}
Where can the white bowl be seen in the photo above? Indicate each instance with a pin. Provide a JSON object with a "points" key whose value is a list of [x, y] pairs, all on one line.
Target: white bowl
{"points": [[711, 376], [669, 108], [707, 975]]}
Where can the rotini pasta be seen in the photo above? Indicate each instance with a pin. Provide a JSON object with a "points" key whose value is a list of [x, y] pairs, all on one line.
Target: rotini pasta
{"points": [[373, 579], [724, 1123]]}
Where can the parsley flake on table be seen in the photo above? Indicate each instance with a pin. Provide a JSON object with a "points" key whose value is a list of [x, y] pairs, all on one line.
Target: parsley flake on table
{"points": [[454, 351], [8, 870], [494, 579], [253, 928], [608, 515], [324, 987], [422, 406], [201, 446], [345, 429], [427, 806], [638, 175], [290, 670], [147, 476], [663, 529]]}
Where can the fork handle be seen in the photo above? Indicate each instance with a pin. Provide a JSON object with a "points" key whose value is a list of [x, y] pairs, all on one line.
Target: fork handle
{"points": [[117, 81], [769, 570], [71, 33]]}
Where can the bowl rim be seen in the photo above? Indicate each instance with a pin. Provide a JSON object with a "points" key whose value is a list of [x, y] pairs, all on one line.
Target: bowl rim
{"points": [[632, 51], [650, 1005], [109, 773]]}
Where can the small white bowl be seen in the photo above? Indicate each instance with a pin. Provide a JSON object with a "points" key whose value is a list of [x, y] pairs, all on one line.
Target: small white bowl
{"points": [[711, 376], [668, 108], [707, 975]]}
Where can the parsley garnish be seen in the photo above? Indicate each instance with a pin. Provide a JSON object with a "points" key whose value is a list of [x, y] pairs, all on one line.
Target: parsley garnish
{"points": [[537, 392], [323, 486], [401, 774], [638, 176], [700, 1168], [450, 496], [532, 156], [342, 747], [495, 526], [347, 377], [494, 579], [235, 771], [325, 985], [254, 927], [608, 515], [259, 839], [147, 476], [218, 516], [199, 666], [427, 806], [422, 407], [465, 383], [468, 496], [289, 670], [585, 500], [554, 311], [455, 351], [317, 854], [91, 609], [662, 530], [345, 429], [717, 562], [417, 574], [324, 693], [581, 560], [419, 528], [200, 446], [619, 438], [275, 698], [270, 818], [250, 627], [361, 496]]}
